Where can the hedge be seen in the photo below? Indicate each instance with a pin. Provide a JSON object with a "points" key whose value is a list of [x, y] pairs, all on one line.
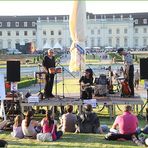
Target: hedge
{"points": [[26, 83]]}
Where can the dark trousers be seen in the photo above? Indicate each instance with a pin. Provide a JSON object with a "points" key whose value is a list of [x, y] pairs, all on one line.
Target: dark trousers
{"points": [[87, 94], [116, 136], [59, 134], [131, 79], [49, 80]]}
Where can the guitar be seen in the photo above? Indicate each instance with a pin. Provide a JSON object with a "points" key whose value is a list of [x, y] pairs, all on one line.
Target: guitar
{"points": [[85, 86]]}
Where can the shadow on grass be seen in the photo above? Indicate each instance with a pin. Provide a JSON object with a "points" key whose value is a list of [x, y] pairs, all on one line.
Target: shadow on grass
{"points": [[72, 140]]}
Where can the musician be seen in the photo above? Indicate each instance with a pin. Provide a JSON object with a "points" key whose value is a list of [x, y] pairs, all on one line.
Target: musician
{"points": [[129, 68], [85, 82], [49, 62]]}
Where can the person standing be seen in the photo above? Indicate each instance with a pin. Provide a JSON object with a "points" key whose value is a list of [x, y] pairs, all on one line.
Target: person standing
{"points": [[129, 68], [49, 62], [137, 78]]}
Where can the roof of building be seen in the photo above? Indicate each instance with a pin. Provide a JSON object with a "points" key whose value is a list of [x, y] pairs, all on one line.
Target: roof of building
{"points": [[33, 18]]}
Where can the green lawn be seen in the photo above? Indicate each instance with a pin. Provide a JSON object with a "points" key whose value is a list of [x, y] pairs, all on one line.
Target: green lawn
{"points": [[71, 140]]}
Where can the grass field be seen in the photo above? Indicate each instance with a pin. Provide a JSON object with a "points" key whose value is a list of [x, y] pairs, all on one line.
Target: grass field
{"points": [[71, 140]]}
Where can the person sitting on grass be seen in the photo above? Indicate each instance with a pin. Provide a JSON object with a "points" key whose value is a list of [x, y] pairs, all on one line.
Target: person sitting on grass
{"points": [[88, 121], [29, 126], [124, 126], [68, 120], [49, 124], [17, 128]]}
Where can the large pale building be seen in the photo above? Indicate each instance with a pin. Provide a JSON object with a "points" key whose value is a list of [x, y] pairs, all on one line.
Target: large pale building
{"points": [[128, 30]]}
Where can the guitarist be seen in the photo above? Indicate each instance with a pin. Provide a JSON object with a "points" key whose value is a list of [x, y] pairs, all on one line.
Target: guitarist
{"points": [[129, 69], [85, 82]]}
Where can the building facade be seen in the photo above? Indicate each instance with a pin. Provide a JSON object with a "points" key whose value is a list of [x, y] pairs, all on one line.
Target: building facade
{"points": [[128, 30]]}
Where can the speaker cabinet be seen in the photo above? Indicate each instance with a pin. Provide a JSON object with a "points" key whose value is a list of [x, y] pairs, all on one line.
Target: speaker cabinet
{"points": [[144, 68], [13, 71]]}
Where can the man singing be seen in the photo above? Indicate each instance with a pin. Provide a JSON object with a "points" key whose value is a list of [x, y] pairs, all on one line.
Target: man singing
{"points": [[129, 68], [49, 62]]}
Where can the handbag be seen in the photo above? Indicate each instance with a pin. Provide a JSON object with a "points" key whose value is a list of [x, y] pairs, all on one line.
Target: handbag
{"points": [[45, 137]]}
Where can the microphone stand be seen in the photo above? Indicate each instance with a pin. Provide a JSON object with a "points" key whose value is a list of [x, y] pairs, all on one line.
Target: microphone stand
{"points": [[63, 70]]}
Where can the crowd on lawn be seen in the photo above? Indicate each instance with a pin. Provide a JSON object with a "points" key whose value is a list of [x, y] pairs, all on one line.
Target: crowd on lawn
{"points": [[125, 126]]}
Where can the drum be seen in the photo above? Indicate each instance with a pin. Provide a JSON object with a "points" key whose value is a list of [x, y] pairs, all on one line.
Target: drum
{"points": [[58, 70], [52, 70]]}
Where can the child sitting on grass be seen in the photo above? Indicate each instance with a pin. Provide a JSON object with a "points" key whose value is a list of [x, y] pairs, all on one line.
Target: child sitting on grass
{"points": [[17, 128]]}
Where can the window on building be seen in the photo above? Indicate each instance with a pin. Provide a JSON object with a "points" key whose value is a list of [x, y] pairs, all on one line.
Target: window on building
{"points": [[1, 24], [17, 41], [26, 41], [34, 33], [8, 33], [60, 41], [110, 41], [44, 41], [25, 24], [117, 42], [16, 24], [1, 33], [59, 32], [92, 31], [92, 42], [1, 44], [33, 24], [17, 33], [25, 33], [136, 21], [86, 44], [9, 43], [144, 21], [98, 42], [125, 30], [8, 24], [70, 42], [98, 31], [144, 42], [136, 42], [110, 31], [136, 30], [52, 32], [44, 32], [125, 42], [52, 42], [117, 31], [144, 30]]}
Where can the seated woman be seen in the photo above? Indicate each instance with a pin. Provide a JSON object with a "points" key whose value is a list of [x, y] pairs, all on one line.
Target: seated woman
{"points": [[17, 128], [88, 121], [68, 120], [29, 125], [86, 81], [49, 126]]}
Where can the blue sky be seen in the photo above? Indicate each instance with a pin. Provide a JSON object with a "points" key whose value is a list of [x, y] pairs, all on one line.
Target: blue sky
{"points": [[65, 7]]}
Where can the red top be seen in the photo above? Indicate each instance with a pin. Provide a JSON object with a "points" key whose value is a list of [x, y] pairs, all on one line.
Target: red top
{"points": [[127, 123], [47, 128]]}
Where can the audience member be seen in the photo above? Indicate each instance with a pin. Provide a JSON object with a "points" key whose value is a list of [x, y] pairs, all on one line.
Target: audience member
{"points": [[68, 120], [49, 124], [124, 126], [29, 125], [17, 128], [88, 121]]}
